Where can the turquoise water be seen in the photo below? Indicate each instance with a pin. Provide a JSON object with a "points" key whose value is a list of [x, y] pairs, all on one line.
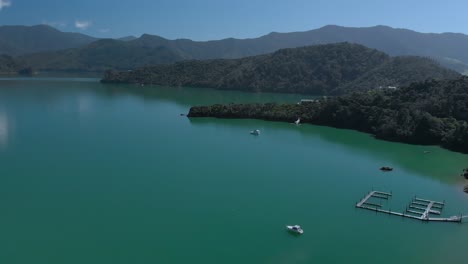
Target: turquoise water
{"points": [[94, 173]]}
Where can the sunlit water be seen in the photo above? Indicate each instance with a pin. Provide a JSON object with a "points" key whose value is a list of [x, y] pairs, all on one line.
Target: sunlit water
{"points": [[93, 173]]}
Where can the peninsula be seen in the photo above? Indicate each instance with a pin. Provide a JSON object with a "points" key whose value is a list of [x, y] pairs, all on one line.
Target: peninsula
{"points": [[428, 113]]}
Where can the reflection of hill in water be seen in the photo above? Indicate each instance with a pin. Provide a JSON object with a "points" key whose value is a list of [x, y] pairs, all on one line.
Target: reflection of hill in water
{"points": [[439, 164], [48, 89], [53, 88], [187, 97]]}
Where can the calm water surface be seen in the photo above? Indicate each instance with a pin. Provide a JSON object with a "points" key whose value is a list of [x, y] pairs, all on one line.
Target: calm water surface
{"points": [[93, 173]]}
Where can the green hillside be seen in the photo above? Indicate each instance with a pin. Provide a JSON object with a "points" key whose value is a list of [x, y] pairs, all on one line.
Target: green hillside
{"points": [[101, 55], [321, 70]]}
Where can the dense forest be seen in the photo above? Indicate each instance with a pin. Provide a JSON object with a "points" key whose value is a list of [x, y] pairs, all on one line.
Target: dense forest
{"points": [[399, 71], [321, 70], [101, 55], [430, 112], [9, 65]]}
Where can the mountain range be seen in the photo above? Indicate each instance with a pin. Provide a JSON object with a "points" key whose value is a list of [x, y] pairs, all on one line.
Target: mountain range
{"points": [[55, 50], [21, 40], [328, 69]]}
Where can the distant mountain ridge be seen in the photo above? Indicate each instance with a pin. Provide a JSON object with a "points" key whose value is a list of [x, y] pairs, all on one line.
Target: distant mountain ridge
{"points": [[46, 48], [447, 48], [102, 55], [127, 38], [21, 40], [327, 69]]}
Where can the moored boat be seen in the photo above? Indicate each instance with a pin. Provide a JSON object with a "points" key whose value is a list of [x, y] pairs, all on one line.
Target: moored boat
{"points": [[385, 168], [255, 132], [296, 229]]}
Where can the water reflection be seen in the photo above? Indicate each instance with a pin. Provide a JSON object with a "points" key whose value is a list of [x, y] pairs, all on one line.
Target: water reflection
{"points": [[440, 164], [3, 130], [188, 96], [84, 104], [53, 88], [49, 79]]}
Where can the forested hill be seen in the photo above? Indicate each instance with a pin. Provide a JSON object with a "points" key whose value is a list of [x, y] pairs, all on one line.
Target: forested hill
{"points": [[399, 71], [8, 65], [430, 112], [321, 70], [101, 55]]}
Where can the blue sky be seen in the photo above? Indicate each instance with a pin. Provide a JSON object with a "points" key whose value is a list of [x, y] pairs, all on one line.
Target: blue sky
{"points": [[217, 19]]}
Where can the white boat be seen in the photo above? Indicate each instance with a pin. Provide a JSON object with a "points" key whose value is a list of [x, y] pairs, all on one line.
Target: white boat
{"points": [[295, 229], [298, 121], [255, 132]]}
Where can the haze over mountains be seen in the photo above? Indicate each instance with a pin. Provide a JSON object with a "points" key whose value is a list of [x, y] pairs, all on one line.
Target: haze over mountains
{"points": [[73, 51], [328, 69], [20, 40]]}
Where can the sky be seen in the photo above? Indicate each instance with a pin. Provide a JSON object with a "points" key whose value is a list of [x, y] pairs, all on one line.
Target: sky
{"points": [[218, 19]]}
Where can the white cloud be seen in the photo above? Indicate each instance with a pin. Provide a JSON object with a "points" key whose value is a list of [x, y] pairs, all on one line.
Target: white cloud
{"points": [[104, 30], [82, 24], [4, 3]]}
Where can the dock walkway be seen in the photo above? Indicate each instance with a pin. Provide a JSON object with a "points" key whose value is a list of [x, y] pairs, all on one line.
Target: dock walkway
{"points": [[424, 206]]}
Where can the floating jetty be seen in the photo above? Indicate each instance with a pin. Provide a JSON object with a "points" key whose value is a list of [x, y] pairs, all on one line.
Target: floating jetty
{"points": [[420, 209]]}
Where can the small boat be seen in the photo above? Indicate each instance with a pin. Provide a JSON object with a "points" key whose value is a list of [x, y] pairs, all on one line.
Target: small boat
{"points": [[385, 168], [295, 228], [298, 121], [255, 132]]}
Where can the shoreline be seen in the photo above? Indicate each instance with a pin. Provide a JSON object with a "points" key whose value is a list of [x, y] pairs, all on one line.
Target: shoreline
{"points": [[329, 126], [318, 114]]}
